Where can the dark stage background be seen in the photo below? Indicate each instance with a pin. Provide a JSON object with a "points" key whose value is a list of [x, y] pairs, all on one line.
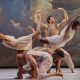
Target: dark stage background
{"points": [[22, 11]]}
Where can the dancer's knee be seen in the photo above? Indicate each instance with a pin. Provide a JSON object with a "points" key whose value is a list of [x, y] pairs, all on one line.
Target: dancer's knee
{"points": [[19, 56]]}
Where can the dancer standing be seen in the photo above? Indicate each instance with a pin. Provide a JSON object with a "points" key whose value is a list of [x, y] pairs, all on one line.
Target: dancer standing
{"points": [[65, 35], [53, 29]]}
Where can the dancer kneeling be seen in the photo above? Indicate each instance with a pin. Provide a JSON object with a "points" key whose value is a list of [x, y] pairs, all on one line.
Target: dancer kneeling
{"points": [[41, 61]]}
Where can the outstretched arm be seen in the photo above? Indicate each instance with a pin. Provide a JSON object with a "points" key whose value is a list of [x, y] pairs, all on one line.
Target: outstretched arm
{"points": [[37, 20], [60, 25]]}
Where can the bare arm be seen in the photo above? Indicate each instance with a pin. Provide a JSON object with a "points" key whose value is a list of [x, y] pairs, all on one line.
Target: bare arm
{"points": [[38, 16], [35, 33], [34, 64], [60, 25], [37, 20]]}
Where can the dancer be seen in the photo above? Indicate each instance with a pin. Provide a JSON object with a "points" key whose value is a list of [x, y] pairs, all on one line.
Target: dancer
{"points": [[65, 35], [43, 59], [59, 54], [44, 62], [54, 29], [60, 40], [25, 43], [21, 44], [67, 57]]}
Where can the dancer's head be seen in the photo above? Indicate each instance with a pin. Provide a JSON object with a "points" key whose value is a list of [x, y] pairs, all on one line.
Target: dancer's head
{"points": [[76, 25], [50, 19], [60, 53]]}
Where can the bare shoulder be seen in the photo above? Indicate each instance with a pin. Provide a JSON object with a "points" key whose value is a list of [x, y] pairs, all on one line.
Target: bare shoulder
{"points": [[45, 26]]}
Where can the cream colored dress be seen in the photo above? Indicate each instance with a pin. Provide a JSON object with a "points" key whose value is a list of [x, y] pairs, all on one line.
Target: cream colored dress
{"points": [[58, 41], [22, 43]]}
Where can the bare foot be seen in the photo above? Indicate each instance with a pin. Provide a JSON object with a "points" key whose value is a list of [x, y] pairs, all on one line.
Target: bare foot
{"points": [[73, 71], [59, 71], [59, 74]]}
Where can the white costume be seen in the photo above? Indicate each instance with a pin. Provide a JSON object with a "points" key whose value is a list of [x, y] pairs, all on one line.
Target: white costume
{"points": [[22, 43], [44, 61], [60, 40]]}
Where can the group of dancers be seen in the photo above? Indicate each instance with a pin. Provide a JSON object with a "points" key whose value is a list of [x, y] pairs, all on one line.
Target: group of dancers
{"points": [[39, 60]]}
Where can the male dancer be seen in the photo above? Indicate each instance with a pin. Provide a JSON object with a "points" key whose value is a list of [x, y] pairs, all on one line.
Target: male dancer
{"points": [[65, 35], [54, 29]]}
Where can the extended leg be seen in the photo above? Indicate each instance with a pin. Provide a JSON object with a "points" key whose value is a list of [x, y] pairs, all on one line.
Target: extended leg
{"points": [[68, 60]]}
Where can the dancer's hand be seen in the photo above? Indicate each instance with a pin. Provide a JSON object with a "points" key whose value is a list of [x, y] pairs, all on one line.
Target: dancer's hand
{"points": [[31, 29], [61, 9], [38, 17]]}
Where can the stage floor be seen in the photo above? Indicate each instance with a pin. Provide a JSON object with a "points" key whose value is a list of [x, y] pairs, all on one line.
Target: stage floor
{"points": [[9, 74]]}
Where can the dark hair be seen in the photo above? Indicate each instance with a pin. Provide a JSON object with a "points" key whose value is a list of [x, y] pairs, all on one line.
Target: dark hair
{"points": [[48, 18], [60, 53], [75, 24]]}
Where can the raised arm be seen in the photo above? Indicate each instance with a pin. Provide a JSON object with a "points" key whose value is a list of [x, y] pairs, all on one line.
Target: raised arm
{"points": [[37, 16], [37, 20], [60, 25], [71, 21], [37, 34]]}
